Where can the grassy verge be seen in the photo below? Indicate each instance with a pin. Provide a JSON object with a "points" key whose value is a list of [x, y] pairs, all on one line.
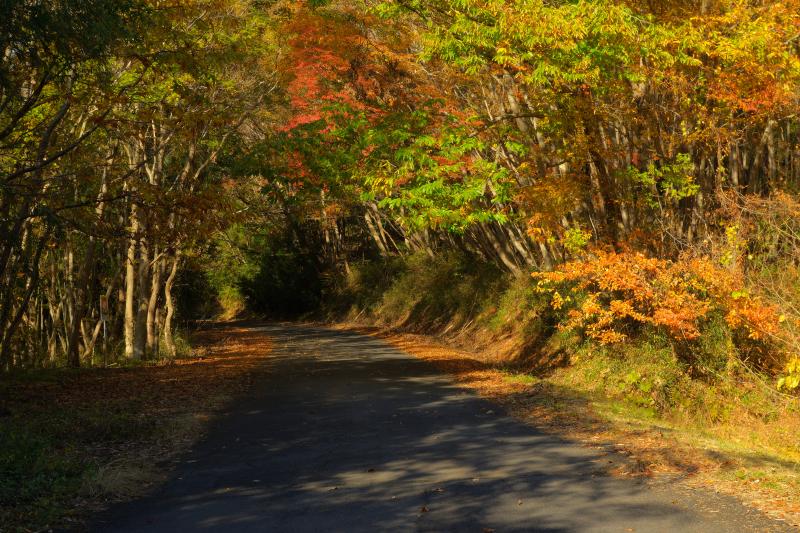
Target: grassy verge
{"points": [[721, 425], [71, 442]]}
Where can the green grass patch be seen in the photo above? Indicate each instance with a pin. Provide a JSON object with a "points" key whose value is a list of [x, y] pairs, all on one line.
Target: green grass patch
{"points": [[47, 457], [522, 379]]}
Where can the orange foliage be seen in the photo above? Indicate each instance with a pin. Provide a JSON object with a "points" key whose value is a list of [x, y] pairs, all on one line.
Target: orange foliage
{"points": [[320, 57], [548, 201], [333, 61], [610, 292]]}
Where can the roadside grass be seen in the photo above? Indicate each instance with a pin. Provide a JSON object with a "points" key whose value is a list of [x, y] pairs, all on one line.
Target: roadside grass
{"points": [[73, 441], [522, 379]]}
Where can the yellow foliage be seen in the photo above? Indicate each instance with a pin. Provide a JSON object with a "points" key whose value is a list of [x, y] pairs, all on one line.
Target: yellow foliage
{"points": [[791, 381]]}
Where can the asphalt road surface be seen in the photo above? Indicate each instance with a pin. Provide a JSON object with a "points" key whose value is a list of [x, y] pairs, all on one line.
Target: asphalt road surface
{"points": [[342, 432]]}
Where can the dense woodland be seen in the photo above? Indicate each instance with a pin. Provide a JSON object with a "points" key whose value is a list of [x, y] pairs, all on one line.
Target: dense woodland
{"points": [[640, 159]]}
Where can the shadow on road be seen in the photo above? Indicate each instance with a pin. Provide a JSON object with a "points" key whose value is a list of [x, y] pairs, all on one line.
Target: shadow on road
{"points": [[345, 433]]}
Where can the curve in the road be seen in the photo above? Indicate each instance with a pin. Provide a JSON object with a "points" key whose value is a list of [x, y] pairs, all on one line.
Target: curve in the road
{"points": [[344, 433]]}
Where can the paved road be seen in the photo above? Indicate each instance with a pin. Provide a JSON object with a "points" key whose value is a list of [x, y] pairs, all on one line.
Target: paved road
{"points": [[344, 433]]}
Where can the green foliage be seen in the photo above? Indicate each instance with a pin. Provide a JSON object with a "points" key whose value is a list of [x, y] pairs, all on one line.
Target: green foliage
{"points": [[71, 31], [576, 240], [431, 181], [287, 283], [669, 182], [645, 374], [552, 46], [419, 168], [715, 351], [360, 291], [250, 270], [646, 379], [232, 261]]}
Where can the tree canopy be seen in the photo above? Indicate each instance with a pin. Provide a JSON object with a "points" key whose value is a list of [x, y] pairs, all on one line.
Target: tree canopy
{"points": [[643, 154]]}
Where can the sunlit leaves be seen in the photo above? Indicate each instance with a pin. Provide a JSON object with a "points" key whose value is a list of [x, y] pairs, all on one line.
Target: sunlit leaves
{"points": [[669, 182], [611, 294], [791, 381]]}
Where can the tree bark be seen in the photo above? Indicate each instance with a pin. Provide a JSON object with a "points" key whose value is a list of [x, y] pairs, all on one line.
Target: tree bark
{"points": [[143, 300], [152, 307], [169, 340], [130, 286]]}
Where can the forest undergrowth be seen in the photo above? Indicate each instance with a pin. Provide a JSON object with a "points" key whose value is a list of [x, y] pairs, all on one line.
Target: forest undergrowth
{"points": [[698, 417]]}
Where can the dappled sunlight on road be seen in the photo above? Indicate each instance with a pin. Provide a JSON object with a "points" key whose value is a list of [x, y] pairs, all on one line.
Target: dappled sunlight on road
{"points": [[346, 433]]}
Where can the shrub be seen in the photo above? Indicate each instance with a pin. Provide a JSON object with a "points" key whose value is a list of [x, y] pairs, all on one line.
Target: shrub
{"points": [[608, 296]]}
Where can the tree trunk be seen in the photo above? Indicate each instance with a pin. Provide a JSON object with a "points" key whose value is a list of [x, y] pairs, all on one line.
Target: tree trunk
{"points": [[169, 302], [82, 290], [130, 286], [143, 301], [152, 307], [81, 300]]}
